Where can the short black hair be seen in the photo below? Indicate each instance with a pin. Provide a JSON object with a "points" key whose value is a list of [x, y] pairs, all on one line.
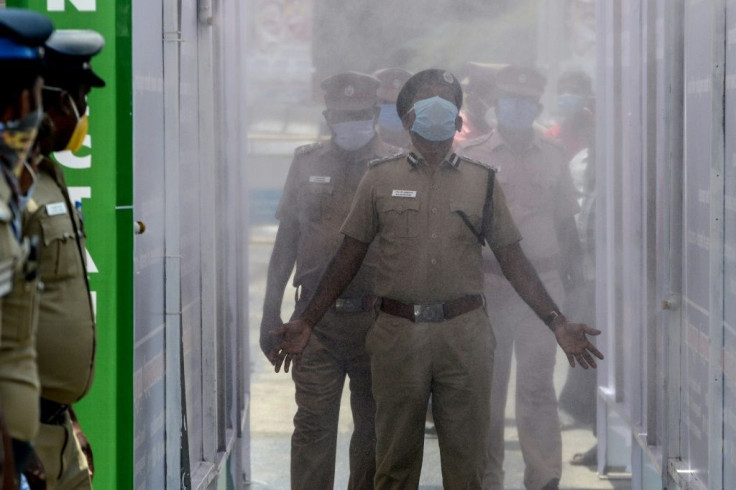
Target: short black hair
{"points": [[24, 75], [433, 76]]}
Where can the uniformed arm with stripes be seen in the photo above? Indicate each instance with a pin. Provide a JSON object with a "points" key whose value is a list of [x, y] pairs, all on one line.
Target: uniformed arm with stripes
{"points": [[571, 336], [340, 272]]}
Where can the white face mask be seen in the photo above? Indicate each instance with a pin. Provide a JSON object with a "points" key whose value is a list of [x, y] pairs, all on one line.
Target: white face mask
{"points": [[352, 135]]}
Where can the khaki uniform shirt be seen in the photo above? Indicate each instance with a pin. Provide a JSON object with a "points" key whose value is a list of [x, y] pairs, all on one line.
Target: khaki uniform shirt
{"points": [[319, 189], [66, 326], [538, 188], [19, 383], [427, 253]]}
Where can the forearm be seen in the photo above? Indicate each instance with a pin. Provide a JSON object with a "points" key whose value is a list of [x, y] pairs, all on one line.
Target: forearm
{"points": [[524, 279], [340, 272], [280, 266]]}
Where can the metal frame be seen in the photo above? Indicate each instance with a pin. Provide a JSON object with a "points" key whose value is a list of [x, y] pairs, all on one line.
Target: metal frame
{"points": [[653, 235]]}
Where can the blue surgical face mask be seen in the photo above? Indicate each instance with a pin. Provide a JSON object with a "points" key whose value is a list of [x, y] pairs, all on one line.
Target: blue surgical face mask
{"points": [[389, 119], [435, 119], [353, 135], [569, 104], [516, 112]]}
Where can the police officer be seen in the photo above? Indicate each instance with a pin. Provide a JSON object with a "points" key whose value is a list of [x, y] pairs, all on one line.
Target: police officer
{"points": [[319, 189], [429, 211], [542, 201], [66, 328], [479, 119], [576, 129], [390, 128], [22, 34]]}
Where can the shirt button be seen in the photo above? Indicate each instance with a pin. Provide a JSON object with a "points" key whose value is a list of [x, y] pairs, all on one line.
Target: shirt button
{"points": [[434, 261], [434, 210], [434, 235], [435, 186]]}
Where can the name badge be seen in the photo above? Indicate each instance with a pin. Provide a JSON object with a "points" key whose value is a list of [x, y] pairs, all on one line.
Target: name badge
{"points": [[56, 208], [401, 193], [316, 179]]}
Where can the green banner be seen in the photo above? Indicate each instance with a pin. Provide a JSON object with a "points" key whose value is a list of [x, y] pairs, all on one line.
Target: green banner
{"points": [[100, 176]]}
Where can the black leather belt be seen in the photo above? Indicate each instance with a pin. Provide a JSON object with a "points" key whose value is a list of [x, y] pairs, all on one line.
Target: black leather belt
{"points": [[53, 413], [354, 305], [432, 312]]}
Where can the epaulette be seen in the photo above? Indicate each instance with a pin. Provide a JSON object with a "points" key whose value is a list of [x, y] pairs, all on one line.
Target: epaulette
{"points": [[378, 161], [303, 150], [476, 162], [476, 141]]}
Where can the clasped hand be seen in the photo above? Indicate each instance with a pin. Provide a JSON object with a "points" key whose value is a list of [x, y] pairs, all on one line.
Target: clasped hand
{"points": [[293, 337]]}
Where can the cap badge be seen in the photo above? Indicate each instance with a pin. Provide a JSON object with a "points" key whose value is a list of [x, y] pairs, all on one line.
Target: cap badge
{"points": [[448, 77], [397, 83], [349, 91], [522, 78]]}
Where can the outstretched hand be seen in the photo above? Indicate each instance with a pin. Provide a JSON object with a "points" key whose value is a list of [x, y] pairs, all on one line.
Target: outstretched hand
{"points": [[572, 338], [294, 338]]}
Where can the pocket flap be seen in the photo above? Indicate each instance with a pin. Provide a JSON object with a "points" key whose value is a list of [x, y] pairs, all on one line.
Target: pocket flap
{"points": [[399, 205], [56, 228]]}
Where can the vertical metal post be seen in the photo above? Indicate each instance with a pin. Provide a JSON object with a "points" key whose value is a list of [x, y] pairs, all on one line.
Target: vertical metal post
{"points": [[717, 251], [671, 196], [211, 437], [175, 402]]}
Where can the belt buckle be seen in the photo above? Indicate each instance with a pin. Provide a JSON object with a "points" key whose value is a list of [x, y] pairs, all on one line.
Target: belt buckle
{"points": [[431, 313]]}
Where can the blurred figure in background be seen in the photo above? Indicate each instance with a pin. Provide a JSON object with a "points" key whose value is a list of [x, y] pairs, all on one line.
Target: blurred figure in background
{"points": [[534, 174], [576, 129], [67, 336], [22, 34], [479, 117], [319, 189], [390, 128]]}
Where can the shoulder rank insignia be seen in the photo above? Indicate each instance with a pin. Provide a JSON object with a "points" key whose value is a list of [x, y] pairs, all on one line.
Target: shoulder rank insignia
{"points": [[303, 150], [453, 160], [378, 161], [413, 159]]}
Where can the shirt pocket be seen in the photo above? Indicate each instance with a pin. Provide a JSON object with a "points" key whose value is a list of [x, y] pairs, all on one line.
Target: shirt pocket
{"points": [[465, 220], [314, 201], [399, 217], [59, 254]]}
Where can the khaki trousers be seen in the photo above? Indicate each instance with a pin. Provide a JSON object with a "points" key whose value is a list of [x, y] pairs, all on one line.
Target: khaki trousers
{"points": [[62, 457], [520, 332], [319, 383], [452, 360]]}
